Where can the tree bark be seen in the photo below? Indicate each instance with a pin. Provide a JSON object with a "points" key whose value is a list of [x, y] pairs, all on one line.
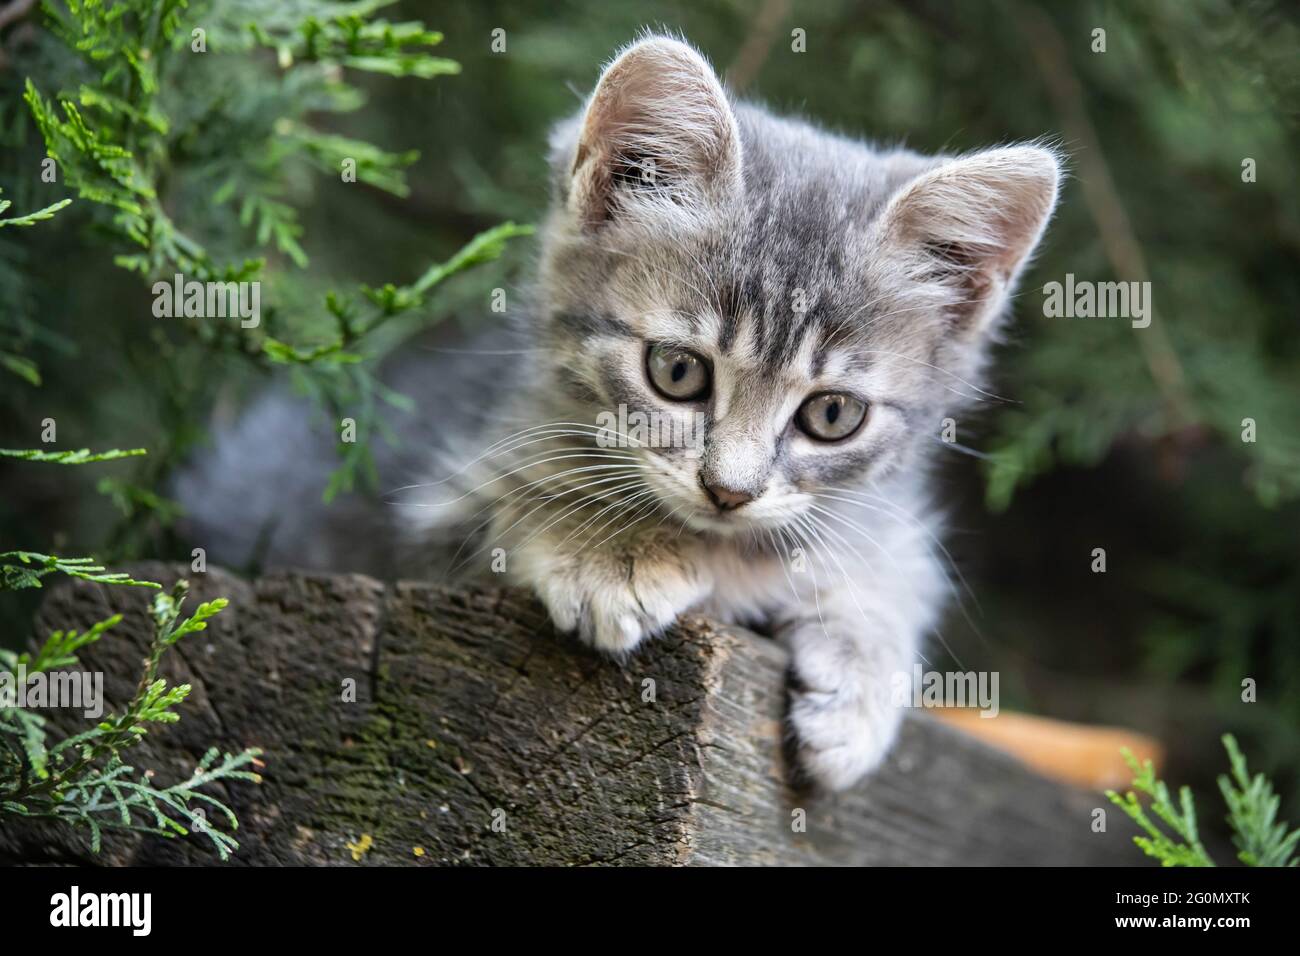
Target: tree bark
{"points": [[479, 736]]}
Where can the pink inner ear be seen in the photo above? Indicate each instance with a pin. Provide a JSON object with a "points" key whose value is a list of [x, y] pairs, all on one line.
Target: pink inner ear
{"points": [[992, 206], [970, 224]]}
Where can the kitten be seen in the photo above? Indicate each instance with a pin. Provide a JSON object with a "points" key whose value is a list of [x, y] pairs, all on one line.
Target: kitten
{"points": [[795, 313], [806, 310]]}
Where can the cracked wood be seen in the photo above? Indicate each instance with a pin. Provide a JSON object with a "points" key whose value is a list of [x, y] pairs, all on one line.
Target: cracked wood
{"points": [[471, 712]]}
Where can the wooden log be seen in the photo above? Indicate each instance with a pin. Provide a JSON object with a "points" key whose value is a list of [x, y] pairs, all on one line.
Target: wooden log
{"points": [[479, 736]]}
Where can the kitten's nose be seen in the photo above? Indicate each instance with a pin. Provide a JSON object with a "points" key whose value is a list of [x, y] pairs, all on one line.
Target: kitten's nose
{"points": [[724, 497]]}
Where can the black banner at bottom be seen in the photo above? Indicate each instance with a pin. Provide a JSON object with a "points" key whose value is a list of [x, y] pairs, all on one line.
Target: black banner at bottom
{"points": [[182, 905]]}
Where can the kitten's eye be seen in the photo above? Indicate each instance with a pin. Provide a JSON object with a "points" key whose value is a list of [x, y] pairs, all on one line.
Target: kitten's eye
{"points": [[831, 416], [677, 374]]}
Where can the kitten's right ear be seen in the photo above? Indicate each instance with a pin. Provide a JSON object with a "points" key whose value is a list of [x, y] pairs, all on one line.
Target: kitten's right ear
{"points": [[657, 128]]}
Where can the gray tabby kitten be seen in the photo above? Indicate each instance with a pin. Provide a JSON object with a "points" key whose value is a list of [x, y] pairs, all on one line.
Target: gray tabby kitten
{"points": [[802, 309], [811, 309]]}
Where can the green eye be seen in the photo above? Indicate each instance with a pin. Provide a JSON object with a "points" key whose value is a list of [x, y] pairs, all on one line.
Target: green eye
{"points": [[677, 374], [831, 416]]}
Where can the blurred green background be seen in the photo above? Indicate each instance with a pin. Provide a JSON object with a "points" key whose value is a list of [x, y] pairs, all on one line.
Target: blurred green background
{"points": [[1113, 437]]}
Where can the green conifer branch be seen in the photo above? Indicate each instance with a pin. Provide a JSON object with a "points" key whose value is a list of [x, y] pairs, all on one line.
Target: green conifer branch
{"points": [[32, 218], [81, 456], [83, 780], [121, 140], [1261, 840], [1252, 816]]}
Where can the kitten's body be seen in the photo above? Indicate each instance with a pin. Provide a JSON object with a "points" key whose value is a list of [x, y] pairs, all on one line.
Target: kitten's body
{"points": [[789, 263]]}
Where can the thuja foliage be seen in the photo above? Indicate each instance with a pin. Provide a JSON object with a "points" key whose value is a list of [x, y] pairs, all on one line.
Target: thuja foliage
{"points": [[1260, 838], [84, 779], [10, 359], [31, 218], [192, 130], [80, 456]]}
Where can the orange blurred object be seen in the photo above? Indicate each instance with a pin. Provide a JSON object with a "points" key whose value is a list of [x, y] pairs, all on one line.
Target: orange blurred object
{"points": [[1074, 753]]}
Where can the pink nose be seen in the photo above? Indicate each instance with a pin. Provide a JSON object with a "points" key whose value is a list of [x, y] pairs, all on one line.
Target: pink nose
{"points": [[724, 497]]}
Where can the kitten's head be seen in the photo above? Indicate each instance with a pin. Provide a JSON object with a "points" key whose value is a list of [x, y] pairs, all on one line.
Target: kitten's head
{"points": [[815, 306]]}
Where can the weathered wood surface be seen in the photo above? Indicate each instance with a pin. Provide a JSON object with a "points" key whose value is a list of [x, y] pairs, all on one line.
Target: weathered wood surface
{"points": [[469, 709]]}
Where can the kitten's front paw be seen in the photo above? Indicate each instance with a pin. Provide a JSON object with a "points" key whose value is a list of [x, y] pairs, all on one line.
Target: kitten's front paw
{"points": [[615, 605], [839, 736]]}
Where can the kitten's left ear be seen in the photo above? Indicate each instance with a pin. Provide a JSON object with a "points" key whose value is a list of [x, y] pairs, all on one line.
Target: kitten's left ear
{"points": [[964, 230], [657, 129]]}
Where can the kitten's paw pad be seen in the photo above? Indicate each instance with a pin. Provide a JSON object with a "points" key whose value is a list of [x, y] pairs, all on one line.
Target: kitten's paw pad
{"points": [[838, 739]]}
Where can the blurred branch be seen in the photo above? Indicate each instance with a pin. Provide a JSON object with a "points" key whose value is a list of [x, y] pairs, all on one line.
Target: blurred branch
{"points": [[11, 13], [1107, 209], [15, 11], [758, 44]]}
